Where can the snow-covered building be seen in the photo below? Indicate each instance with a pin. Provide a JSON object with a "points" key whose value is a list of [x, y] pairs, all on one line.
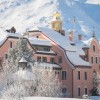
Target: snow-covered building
{"points": [[73, 61]]}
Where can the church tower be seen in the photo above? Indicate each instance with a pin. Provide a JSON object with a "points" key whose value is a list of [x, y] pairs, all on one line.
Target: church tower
{"points": [[56, 24]]}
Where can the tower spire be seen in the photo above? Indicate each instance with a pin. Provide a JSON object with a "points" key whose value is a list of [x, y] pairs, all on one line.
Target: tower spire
{"points": [[94, 34]]}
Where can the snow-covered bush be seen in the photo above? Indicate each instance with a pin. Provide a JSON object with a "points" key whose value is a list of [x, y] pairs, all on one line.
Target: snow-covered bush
{"points": [[47, 83]]}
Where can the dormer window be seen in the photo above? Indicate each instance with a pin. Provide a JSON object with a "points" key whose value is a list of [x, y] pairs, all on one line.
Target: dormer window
{"points": [[94, 48]]}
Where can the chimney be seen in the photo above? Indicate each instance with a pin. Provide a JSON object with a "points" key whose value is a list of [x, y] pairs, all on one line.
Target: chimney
{"points": [[70, 36], [80, 37], [62, 32]]}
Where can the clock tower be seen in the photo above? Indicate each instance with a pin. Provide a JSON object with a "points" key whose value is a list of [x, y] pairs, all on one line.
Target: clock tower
{"points": [[56, 24]]}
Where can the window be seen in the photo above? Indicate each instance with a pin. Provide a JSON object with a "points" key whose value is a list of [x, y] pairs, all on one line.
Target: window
{"points": [[37, 36], [52, 60], [64, 91], [57, 73], [46, 49], [96, 59], [38, 58], [64, 75], [59, 59], [6, 56], [78, 75], [85, 75], [85, 90], [79, 90], [94, 48], [44, 59], [10, 44], [92, 60], [99, 66]]}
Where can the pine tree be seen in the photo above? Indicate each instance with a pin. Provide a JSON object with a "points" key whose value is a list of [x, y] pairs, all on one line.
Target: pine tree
{"points": [[21, 50]]}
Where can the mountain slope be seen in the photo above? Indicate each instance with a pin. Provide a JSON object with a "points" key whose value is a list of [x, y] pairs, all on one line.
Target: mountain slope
{"points": [[26, 14]]}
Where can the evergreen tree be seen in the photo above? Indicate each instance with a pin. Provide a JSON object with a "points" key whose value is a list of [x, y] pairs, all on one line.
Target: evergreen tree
{"points": [[21, 50]]}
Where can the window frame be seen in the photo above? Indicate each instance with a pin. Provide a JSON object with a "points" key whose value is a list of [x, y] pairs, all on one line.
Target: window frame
{"points": [[85, 90], [38, 58], [92, 60], [79, 91], [85, 75], [96, 60], [52, 60], [44, 59], [59, 59], [64, 75], [11, 45], [64, 91], [94, 49], [6, 56], [78, 75]]}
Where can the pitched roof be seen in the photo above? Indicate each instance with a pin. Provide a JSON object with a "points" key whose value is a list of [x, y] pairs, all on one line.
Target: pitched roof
{"points": [[4, 35], [71, 51], [36, 41], [76, 59], [22, 60]]}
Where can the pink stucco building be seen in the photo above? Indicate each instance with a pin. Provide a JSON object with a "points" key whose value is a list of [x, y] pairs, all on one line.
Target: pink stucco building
{"points": [[74, 60]]}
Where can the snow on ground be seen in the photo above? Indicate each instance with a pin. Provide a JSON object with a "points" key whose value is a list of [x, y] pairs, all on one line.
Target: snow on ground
{"points": [[48, 98], [51, 98]]}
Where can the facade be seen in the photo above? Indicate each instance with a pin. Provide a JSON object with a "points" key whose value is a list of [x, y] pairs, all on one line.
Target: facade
{"points": [[73, 61]]}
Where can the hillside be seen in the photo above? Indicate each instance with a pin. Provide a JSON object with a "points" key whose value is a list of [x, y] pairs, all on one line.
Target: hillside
{"points": [[26, 14]]}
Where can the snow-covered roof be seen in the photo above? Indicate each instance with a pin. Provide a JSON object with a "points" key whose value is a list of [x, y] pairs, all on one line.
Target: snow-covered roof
{"points": [[81, 44], [4, 35], [45, 64], [88, 42], [22, 60], [36, 41], [34, 28], [56, 37], [46, 52], [25, 74], [75, 59], [72, 51]]}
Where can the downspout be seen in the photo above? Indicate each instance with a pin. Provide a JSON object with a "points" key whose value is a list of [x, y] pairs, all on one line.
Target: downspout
{"points": [[72, 83]]}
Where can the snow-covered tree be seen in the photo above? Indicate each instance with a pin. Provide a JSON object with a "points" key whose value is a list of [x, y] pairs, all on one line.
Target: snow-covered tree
{"points": [[96, 84], [31, 81], [47, 83], [21, 50]]}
